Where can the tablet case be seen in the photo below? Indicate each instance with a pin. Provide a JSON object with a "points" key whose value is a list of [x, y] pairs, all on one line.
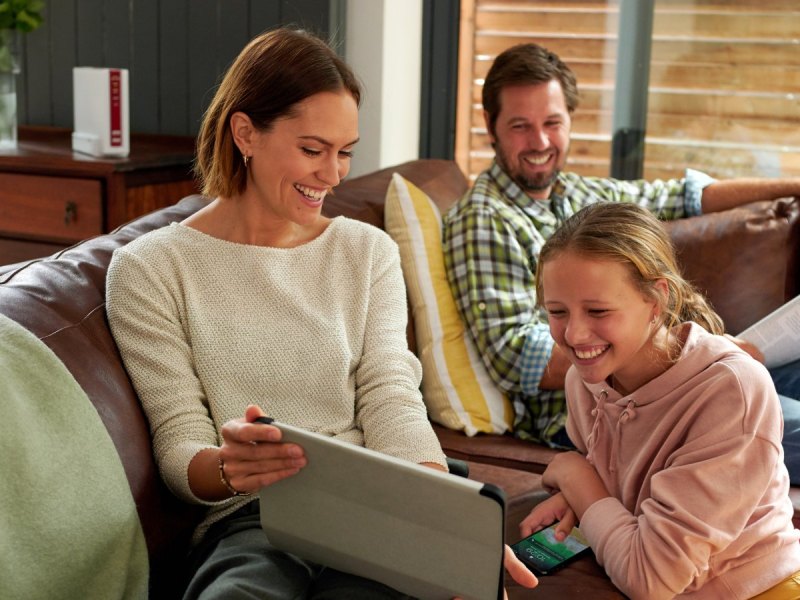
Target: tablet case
{"points": [[426, 533]]}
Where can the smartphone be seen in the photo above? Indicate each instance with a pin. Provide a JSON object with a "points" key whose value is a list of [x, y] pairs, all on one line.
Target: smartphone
{"points": [[542, 553]]}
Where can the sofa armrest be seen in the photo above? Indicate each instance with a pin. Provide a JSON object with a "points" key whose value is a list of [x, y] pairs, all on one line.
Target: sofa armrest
{"points": [[745, 260], [61, 300]]}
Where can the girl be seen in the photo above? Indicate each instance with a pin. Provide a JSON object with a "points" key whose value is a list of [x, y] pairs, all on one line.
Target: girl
{"points": [[678, 482]]}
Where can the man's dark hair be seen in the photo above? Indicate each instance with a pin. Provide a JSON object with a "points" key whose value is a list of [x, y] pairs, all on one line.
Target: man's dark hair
{"points": [[526, 64]]}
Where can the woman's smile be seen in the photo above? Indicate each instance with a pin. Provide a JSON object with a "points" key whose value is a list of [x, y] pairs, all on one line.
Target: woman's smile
{"points": [[312, 197]]}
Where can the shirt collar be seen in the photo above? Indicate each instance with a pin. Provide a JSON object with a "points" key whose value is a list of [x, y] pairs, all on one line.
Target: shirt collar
{"points": [[515, 194], [510, 189]]}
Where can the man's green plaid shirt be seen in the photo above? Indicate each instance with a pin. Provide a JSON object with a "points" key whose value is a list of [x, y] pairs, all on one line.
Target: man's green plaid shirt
{"points": [[492, 238]]}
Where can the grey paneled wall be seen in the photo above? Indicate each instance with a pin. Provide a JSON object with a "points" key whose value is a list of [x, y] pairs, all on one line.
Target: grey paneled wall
{"points": [[175, 51]]}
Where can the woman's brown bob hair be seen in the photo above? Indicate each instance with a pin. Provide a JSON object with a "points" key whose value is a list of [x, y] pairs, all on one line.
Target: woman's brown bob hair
{"points": [[272, 74], [630, 235]]}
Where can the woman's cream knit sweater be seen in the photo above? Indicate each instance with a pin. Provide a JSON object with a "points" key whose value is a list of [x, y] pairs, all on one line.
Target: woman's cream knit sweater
{"points": [[315, 335]]}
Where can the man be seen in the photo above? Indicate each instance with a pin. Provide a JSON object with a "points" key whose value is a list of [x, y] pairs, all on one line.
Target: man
{"points": [[492, 236]]}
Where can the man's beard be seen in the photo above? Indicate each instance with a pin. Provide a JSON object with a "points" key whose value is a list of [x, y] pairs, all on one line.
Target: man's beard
{"points": [[538, 182]]}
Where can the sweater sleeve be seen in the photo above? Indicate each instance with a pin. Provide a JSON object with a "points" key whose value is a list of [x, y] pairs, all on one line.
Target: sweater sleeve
{"points": [[144, 314], [389, 407], [699, 504]]}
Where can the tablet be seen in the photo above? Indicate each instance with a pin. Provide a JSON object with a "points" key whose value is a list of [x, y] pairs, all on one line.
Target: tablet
{"points": [[426, 533]]}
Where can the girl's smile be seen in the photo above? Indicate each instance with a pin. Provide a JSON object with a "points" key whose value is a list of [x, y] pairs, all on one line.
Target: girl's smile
{"points": [[602, 321]]}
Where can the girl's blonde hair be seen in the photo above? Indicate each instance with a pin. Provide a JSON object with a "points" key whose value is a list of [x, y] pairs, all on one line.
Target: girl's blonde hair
{"points": [[630, 235], [272, 74]]}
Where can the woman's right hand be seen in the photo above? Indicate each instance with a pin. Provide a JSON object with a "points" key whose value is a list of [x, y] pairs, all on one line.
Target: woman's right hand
{"points": [[253, 454]]}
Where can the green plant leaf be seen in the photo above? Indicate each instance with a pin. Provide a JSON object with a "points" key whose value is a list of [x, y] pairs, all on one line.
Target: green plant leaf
{"points": [[22, 15]]}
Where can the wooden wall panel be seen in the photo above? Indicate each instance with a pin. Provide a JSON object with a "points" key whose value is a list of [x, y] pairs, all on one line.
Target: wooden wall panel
{"points": [[233, 32], [439, 78], [90, 32], [33, 83]]}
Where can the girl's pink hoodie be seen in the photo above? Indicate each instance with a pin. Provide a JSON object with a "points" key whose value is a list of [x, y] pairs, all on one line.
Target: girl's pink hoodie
{"points": [[694, 462]]}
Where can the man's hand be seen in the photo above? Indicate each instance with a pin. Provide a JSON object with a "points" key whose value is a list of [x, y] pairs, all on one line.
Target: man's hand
{"points": [[555, 373], [751, 349]]}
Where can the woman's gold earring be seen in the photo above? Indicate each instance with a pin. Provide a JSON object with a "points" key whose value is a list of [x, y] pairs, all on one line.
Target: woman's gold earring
{"points": [[245, 158]]}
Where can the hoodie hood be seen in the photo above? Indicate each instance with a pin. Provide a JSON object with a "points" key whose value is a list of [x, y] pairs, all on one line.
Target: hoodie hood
{"points": [[612, 412]]}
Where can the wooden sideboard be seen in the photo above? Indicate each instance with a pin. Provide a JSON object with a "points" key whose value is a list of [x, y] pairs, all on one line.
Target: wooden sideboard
{"points": [[52, 197]]}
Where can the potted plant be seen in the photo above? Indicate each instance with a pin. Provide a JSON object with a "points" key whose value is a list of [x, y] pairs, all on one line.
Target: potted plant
{"points": [[16, 17]]}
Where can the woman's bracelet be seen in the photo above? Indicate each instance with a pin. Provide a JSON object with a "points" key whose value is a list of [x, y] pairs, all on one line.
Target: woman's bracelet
{"points": [[226, 483]]}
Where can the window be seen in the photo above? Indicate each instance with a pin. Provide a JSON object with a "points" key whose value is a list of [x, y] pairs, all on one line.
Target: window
{"points": [[724, 81]]}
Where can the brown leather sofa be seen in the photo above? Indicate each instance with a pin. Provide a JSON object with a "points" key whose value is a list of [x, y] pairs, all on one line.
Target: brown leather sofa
{"points": [[746, 260]]}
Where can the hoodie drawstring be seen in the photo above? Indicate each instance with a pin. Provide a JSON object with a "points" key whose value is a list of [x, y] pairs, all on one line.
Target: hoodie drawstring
{"points": [[595, 433], [627, 414]]}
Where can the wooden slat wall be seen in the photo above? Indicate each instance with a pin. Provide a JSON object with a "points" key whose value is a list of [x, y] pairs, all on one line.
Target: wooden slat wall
{"points": [[175, 51], [724, 81]]}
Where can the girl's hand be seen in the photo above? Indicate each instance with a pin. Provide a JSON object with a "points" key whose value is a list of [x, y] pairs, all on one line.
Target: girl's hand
{"points": [[577, 480], [566, 467], [547, 512], [253, 455]]}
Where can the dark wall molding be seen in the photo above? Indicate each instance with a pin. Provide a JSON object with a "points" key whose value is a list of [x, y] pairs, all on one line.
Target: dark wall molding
{"points": [[440, 27]]}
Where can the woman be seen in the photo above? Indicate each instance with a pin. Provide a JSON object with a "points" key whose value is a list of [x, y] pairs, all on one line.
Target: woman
{"points": [[257, 304], [679, 482]]}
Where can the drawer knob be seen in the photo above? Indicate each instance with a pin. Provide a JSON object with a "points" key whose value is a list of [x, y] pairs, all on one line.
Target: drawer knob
{"points": [[70, 212]]}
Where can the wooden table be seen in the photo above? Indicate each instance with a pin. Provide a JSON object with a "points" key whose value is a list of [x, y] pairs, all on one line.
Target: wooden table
{"points": [[52, 197]]}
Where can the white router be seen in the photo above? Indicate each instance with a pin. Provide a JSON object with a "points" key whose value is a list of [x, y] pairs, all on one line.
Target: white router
{"points": [[101, 111]]}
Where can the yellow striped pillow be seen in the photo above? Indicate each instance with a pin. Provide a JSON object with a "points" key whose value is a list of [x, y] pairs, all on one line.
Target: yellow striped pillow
{"points": [[456, 387]]}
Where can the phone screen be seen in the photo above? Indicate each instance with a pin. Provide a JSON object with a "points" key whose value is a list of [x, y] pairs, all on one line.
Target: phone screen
{"points": [[543, 553]]}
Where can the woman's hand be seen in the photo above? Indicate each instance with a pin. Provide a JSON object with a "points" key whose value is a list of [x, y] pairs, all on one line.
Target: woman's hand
{"points": [[518, 571], [252, 456]]}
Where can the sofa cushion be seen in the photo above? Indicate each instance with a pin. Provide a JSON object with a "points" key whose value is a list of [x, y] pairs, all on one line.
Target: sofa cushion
{"points": [[455, 384], [363, 197]]}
